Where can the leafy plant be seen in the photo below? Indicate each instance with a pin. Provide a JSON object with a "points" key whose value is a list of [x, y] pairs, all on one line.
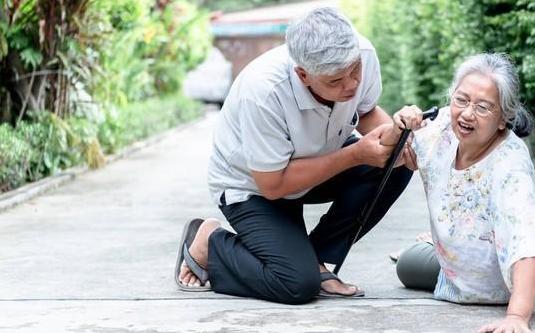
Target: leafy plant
{"points": [[141, 120], [83, 76], [15, 157]]}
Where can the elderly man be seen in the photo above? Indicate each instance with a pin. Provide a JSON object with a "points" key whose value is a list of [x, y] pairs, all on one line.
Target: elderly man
{"points": [[285, 139]]}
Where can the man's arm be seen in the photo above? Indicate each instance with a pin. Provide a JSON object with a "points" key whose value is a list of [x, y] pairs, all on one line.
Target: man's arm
{"points": [[304, 173], [371, 120]]}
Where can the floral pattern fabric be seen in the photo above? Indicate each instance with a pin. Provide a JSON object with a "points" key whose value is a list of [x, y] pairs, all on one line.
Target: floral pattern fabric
{"points": [[482, 218]]}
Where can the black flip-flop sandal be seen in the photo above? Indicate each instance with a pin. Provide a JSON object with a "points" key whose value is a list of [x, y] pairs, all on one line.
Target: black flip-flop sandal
{"points": [[184, 257], [325, 276]]}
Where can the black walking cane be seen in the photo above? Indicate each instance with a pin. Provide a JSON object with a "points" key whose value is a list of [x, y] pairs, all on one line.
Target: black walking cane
{"points": [[431, 114]]}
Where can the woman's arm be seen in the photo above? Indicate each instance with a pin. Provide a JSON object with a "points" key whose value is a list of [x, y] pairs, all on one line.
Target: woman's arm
{"points": [[521, 302], [523, 297]]}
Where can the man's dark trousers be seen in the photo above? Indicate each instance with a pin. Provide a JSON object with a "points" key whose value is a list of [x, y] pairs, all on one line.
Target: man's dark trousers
{"points": [[271, 256]]}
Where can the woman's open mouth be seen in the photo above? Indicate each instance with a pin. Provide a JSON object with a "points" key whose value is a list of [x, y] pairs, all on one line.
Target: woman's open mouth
{"points": [[465, 128]]}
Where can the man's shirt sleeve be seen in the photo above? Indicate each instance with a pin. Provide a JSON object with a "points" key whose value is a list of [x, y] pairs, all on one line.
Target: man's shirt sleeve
{"points": [[371, 78], [266, 142]]}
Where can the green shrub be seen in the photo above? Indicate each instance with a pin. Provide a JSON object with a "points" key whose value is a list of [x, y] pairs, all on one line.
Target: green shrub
{"points": [[46, 144], [54, 143], [98, 75], [15, 157], [134, 122], [157, 49], [36, 149]]}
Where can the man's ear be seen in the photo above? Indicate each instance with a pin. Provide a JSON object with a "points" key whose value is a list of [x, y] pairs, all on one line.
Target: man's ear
{"points": [[303, 75]]}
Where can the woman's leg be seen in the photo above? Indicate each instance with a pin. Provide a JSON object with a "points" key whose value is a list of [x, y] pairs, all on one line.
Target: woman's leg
{"points": [[418, 267]]}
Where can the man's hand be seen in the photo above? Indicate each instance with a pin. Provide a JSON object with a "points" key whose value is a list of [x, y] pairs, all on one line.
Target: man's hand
{"points": [[304, 173], [369, 150], [510, 324]]}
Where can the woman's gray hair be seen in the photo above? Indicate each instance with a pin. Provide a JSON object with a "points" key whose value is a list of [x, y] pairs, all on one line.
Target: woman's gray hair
{"points": [[323, 42], [501, 70]]}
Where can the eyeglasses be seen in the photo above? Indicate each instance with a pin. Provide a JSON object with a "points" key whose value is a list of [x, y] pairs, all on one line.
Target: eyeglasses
{"points": [[481, 109]]}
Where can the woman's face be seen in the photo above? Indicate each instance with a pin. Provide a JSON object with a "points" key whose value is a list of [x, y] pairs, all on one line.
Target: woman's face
{"points": [[476, 116]]}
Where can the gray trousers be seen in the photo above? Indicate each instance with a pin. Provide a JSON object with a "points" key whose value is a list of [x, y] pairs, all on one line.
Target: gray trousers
{"points": [[418, 267]]}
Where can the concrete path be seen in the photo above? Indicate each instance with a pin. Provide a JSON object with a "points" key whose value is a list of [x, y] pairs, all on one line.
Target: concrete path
{"points": [[97, 255]]}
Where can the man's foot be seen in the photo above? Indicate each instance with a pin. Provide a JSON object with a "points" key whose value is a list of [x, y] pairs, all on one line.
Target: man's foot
{"points": [[199, 252], [334, 286]]}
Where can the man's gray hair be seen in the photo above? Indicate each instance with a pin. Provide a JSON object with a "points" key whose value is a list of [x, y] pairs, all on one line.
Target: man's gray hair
{"points": [[323, 42], [502, 72]]}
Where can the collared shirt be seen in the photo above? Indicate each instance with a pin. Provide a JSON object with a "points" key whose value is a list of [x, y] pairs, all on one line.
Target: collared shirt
{"points": [[270, 117]]}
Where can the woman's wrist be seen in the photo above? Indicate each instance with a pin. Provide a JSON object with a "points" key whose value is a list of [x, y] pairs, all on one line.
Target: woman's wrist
{"points": [[516, 315]]}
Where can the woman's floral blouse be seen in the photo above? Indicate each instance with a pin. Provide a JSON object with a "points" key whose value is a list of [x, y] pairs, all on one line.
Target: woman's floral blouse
{"points": [[482, 218]]}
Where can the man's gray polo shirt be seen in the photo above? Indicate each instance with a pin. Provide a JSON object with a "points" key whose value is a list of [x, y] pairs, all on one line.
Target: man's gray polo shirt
{"points": [[270, 118]]}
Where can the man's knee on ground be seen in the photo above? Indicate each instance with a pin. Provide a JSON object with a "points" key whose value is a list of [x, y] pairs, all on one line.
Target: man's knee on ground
{"points": [[302, 289]]}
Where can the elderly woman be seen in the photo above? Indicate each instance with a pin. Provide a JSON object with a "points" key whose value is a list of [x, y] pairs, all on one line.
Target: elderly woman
{"points": [[479, 181]]}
